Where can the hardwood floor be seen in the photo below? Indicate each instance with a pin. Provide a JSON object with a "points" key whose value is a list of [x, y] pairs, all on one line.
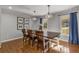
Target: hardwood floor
{"points": [[16, 46]]}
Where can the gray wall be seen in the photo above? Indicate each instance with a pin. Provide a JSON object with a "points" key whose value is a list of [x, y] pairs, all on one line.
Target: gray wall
{"points": [[0, 24], [35, 24], [54, 24], [54, 21], [9, 27]]}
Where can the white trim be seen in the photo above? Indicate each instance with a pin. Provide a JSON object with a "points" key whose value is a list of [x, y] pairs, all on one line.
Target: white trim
{"points": [[10, 40], [0, 44], [64, 40], [59, 39]]}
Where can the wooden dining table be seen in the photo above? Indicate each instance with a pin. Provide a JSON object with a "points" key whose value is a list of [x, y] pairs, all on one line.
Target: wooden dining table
{"points": [[52, 35], [49, 34]]}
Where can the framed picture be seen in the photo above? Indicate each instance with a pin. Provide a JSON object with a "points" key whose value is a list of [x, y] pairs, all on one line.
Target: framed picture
{"points": [[45, 24], [26, 21], [20, 19], [20, 26]]}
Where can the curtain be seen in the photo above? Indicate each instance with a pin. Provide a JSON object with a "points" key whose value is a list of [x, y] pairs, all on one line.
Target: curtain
{"points": [[73, 35]]}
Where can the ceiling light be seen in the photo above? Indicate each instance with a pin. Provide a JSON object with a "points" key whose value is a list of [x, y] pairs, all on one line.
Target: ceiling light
{"points": [[34, 12], [34, 18], [10, 7]]}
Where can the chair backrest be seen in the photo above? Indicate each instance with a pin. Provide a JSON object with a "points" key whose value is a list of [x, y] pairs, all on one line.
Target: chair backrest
{"points": [[29, 32], [39, 35], [24, 32]]}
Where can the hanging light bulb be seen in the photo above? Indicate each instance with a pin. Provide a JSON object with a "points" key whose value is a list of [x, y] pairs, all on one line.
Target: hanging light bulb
{"points": [[48, 11], [34, 18], [10, 7]]}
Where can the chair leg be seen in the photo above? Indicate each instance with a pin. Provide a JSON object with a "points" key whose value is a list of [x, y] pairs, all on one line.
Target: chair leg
{"points": [[23, 41], [48, 46], [33, 42], [43, 48], [23, 44], [29, 41], [37, 46]]}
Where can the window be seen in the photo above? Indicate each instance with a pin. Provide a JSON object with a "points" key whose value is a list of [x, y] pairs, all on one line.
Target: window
{"points": [[64, 24]]}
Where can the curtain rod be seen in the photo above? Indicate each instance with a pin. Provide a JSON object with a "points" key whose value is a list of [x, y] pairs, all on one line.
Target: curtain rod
{"points": [[68, 13]]}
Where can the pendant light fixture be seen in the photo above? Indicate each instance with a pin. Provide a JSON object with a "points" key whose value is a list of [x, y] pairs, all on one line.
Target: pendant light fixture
{"points": [[48, 12], [34, 18]]}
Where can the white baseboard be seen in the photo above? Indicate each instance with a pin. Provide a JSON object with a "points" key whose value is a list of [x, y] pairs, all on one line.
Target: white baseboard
{"points": [[10, 40]]}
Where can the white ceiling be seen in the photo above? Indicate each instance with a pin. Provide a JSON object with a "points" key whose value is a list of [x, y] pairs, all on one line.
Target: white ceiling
{"points": [[40, 9]]}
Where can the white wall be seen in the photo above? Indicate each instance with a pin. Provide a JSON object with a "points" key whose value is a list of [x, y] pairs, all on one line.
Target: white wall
{"points": [[54, 23], [35, 24], [0, 24], [9, 27]]}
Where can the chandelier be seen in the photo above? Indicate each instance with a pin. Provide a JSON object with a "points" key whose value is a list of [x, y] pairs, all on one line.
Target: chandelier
{"points": [[46, 16]]}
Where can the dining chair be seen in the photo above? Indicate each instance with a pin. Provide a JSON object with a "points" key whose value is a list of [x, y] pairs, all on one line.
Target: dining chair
{"points": [[55, 41], [31, 36], [34, 40], [42, 43], [29, 31], [24, 36]]}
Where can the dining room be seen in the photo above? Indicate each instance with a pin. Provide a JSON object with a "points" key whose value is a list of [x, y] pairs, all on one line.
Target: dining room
{"points": [[39, 28]]}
